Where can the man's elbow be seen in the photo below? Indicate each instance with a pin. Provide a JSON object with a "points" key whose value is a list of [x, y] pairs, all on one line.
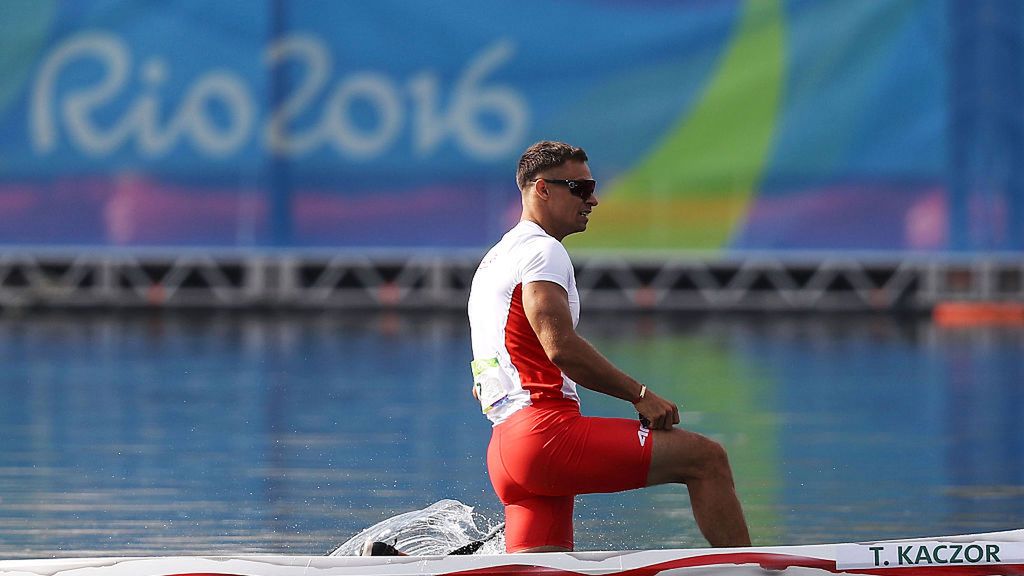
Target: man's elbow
{"points": [[556, 356], [560, 353]]}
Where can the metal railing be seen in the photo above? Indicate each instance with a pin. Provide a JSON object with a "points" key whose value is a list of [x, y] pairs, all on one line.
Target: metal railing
{"points": [[198, 280]]}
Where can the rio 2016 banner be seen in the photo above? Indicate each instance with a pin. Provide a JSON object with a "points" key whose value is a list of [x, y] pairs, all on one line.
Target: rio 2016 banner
{"points": [[711, 124]]}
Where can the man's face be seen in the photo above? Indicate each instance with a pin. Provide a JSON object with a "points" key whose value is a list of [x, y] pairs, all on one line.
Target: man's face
{"points": [[568, 212]]}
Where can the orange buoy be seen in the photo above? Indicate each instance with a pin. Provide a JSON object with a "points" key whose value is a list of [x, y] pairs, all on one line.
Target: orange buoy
{"points": [[978, 313]]}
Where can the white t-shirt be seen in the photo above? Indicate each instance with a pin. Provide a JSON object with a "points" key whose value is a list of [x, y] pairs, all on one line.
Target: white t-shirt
{"points": [[511, 369]]}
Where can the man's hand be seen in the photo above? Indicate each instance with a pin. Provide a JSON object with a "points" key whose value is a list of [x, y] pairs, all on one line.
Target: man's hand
{"points": [[661, 413]]}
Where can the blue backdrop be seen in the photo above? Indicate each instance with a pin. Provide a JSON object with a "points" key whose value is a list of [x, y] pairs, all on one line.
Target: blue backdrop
{"points": [[712, 124]]}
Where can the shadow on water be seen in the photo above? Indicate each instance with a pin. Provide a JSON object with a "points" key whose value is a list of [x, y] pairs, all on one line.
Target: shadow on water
{"points": [[286, 433]]}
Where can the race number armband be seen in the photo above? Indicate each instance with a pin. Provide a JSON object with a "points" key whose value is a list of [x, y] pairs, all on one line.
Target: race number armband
{"points": [[491, 383]]}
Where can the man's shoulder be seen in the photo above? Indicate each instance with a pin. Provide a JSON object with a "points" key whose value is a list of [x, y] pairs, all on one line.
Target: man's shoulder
{"points": [[532, 237], [525, 246]]}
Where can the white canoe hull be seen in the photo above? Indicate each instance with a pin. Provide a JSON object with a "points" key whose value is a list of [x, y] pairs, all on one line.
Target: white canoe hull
{"points": [[998, 553]]}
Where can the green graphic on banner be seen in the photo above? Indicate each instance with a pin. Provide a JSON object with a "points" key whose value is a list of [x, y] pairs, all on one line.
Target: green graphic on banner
{"points": [[694, 189]]}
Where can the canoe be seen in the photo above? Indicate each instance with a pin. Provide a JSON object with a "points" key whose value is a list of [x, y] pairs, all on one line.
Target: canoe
{"points": [[988, 554]]}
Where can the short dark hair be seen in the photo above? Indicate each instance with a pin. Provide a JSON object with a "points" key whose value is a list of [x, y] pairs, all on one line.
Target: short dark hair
{"points": [[543, 155]]}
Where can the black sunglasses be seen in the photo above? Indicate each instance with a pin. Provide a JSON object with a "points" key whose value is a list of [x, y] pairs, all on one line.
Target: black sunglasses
{"points": [[583, 189]]}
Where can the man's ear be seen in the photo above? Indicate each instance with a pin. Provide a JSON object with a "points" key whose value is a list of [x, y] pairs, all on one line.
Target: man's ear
{"points": [[542, 189]]}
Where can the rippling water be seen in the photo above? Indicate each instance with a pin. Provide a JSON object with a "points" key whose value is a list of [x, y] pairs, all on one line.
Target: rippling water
{"points": [[244, 433]]}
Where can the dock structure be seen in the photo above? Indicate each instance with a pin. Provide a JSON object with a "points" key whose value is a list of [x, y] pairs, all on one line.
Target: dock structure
{"points": [[387, 280]]}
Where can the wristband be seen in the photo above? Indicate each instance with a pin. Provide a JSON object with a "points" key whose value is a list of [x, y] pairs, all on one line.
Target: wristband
{"points": [[643, 390]]}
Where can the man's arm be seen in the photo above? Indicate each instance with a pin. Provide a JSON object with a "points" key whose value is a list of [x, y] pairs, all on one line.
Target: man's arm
{"points": [[546, 305]]}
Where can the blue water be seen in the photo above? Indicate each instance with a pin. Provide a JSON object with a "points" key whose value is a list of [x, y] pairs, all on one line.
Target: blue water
{"points": [[245, 433]]}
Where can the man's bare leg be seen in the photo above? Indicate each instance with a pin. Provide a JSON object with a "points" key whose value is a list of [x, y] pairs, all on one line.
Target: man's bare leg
{"points": [[681, 456]]}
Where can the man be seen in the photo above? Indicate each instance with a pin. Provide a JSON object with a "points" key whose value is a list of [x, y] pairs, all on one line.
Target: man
{"points": [[528, 359]]}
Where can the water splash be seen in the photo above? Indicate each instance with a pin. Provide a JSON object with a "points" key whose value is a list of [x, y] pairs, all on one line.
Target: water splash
{"points": [[435, 530]]}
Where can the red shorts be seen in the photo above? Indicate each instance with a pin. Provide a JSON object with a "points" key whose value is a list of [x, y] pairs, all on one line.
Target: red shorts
{"points": [[545, 454]]}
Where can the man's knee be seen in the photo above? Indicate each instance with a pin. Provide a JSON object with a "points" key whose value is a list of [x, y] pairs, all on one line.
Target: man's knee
{"points": [[686, 456], [702, 458], [716, 461]]}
